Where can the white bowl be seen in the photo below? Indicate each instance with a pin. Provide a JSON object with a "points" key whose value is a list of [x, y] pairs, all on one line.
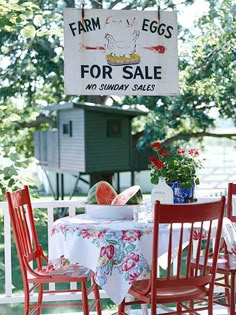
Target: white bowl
{"points": [[109, 211]]}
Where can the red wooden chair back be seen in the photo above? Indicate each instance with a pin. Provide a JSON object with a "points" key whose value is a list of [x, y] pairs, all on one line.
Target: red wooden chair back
{"points": [[194, 216], [24, 229], [231, 203], [189, 282]]}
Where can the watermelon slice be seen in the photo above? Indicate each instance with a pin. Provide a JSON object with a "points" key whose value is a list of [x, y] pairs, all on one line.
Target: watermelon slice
{"points": [[101, 193], [132, 195]]}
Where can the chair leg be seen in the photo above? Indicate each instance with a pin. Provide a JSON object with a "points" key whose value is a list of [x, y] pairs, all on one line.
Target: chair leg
{"points": [[97, 298], [40, 298], [227, 290], [179, 308], [84, 298], [26, 301], [210, 305], [232, 294], [121, 308], [128, 298]]}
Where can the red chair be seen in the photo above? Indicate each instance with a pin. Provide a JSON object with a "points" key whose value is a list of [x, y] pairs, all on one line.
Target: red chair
{"points": [[31, 257], [183, 284], [226, 266]]}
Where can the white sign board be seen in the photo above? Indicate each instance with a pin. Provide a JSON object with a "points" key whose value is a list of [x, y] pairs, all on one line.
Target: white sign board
{"points": [[120, 52]]}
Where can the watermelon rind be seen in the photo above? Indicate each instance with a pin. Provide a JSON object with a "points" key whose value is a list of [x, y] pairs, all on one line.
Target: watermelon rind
{"points": [[136, 199], [101, 193], [91, 197], [132, 195]]}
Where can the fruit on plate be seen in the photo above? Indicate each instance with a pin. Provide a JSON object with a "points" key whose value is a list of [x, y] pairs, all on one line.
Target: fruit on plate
{"points": [[101, 193], [132, 195]]}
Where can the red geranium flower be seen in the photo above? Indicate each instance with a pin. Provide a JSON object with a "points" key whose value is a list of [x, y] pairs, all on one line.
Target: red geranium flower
{"points": [[174, 166], [157, 163], [163, 153], [180, 151], [193, 152], [156, 145]]}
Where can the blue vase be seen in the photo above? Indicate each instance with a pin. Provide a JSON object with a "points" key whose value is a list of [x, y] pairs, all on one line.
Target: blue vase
{"points": [[182, 195]]}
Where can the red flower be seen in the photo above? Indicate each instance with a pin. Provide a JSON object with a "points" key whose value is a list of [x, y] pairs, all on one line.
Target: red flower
{"points": [[152, 159], [157, 163], [131, 235], [102, 251], [193, 152], [101, 235], [86, 234], [130, 262], [134, 276], [179, 166], [110, 251], [156, 145], [180, 151], [163, 153]]}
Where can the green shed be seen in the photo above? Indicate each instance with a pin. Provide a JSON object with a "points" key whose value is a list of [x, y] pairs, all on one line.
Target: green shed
{"points": [[89, 139]]}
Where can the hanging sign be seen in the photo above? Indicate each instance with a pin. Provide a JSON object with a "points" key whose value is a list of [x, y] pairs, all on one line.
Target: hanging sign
{"points": [[120, 52]]}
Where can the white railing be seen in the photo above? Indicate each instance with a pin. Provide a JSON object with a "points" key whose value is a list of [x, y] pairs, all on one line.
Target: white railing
{"points": [[8, 296]]}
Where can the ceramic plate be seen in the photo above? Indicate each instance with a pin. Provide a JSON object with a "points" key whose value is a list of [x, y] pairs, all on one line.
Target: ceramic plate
{"points": [[109, 211]]}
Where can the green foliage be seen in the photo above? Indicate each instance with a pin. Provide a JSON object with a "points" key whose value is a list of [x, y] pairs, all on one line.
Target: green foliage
{"points": [[178, 165], [14, 174], [17, 14]]}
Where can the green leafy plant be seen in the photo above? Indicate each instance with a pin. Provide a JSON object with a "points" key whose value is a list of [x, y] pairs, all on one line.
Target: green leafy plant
{"points": [[14, 174], [180, 165]]}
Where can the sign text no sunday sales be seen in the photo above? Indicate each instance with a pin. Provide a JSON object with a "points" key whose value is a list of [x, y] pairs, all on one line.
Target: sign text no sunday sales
{"points": [[113, 52]]}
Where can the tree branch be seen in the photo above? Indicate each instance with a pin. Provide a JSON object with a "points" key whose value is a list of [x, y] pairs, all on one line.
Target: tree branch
{"points": [[114, 3], [231, 136], [41, 119]]}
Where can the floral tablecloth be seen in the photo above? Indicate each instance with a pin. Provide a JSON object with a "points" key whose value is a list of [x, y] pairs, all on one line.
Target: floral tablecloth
{"points": [[115, 250]]}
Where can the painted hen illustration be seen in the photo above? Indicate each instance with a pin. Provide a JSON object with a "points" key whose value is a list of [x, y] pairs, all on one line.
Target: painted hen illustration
{"points": [[122, 48]]}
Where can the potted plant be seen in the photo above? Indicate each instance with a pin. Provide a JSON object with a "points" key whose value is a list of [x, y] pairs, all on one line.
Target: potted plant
{"points": [[178, 169]]}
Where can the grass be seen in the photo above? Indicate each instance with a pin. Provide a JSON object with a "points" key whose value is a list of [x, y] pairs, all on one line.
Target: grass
{"points": [[17, 309]]}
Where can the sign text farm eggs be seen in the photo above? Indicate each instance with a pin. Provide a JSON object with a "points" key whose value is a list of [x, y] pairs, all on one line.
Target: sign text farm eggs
{"points": [[120, 52]]}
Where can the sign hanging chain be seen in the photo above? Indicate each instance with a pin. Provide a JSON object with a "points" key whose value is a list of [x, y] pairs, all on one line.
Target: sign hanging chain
{"points": [[82, 7], [159, 10]]}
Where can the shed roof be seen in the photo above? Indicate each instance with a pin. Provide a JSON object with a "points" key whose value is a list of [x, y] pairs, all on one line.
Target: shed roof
{"points": [[96, 107]]}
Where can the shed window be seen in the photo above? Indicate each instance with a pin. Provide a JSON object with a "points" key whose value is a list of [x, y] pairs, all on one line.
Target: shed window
{"points": [[113, 128], [67, 129]]}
